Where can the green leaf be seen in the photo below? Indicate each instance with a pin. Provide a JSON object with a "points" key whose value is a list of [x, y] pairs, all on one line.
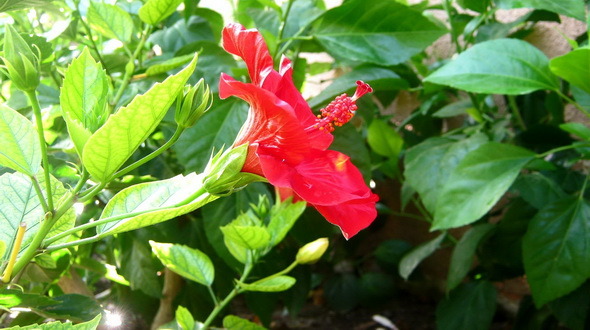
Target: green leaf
{"points": [[184, 318], [10, 298], [379, 78], [185, 261], [401, 33], [9, 5], [168, 65], [111, 145], [573, 67], [384, 140], [572, 309], [502, 66], [572, 8], [462, 257], [83, 98], [282, 219], [577, 129], [538, 190], [470, 306], [139, 266], [154, 11], [20, 149], [217, 128], [110, 20], [411, 260], [454, 109], [270, 284], [149, 203], [249, 237], [19, 203], [237, 323], [477, 183], [75, 307], [429, 164], [556, 248], [90, 325]]}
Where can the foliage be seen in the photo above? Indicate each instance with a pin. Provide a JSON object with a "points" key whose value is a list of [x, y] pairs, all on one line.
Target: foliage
{"points": [[112, 126]]}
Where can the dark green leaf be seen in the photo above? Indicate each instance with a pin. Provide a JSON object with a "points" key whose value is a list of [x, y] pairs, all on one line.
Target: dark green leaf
{"points": [[462, 257], [401, 32], [538, 190], [470, 306], [379, 78], [502, 66], [573, 309], [75, 307], [429, 164], [217, 128], [411, 260], [477, 183], [556, 248], [182, 33]]}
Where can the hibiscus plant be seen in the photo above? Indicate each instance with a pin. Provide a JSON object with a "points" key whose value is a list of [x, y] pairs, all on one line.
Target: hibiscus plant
{"points": [[160, 158]]}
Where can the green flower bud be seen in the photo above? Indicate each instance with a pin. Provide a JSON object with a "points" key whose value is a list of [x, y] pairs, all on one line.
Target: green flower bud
{"points": [[312, 252], [223, 173], [20, 63], [196, 100]]}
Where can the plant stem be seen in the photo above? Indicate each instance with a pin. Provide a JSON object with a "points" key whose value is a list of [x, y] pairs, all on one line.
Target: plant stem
{"points": [[39, 194], [234, 292], [516, 112], [284, 20], [213, 297], [447, 5], [151, 156], [574, 103], [14, 253], [554, 150], [130, 67], [91, 192], [91, 38], [39, 120]]}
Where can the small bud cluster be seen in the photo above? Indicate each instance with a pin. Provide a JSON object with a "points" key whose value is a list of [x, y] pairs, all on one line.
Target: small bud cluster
{"points": [[341, 110], [193, 103]]}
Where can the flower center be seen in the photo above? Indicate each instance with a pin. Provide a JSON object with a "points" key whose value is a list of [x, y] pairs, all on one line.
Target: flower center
{"points": [[342, 109]]}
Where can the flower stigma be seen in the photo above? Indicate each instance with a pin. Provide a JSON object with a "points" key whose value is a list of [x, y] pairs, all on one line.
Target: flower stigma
{"points": [[342, 109]]}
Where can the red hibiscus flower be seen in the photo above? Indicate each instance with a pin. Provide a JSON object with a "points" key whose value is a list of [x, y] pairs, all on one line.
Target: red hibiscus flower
{"points": [[288, 144]]}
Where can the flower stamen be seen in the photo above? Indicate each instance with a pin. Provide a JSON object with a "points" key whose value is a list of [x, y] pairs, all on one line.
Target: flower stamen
{"points": [[342, 109]]}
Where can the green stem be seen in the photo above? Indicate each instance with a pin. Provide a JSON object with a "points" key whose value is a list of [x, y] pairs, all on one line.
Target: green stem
{"points": [[91, 38], [575, 104], [130, 67], [558, 149], [91, 192], [39, 194], [284, 20], [581, 197], [234, 292], [45, 160], [516, 112], [212, 294], [151, 156], [447, 5]]}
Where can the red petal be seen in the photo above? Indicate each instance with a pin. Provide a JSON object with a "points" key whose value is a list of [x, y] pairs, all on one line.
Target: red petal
{"points": [[251, 47], [271, 125], [352, 216]]}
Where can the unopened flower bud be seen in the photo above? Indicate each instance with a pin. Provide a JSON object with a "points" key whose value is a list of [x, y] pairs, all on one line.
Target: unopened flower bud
{"points": [[312, 252], [196, 100], [20, 62], [224, 171]]}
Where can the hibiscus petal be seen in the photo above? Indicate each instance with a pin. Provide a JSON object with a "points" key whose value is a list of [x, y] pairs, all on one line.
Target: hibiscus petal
{"points": [[251, 47], [271, 125], [352, 216]]}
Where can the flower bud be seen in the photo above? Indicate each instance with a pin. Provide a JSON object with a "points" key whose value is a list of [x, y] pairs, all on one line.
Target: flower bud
{"points": [[312, 252], [20, 63], [196, 100], [224, 174]]}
